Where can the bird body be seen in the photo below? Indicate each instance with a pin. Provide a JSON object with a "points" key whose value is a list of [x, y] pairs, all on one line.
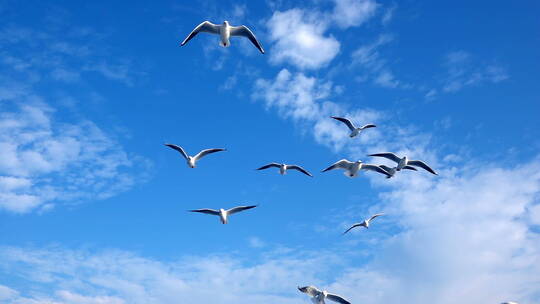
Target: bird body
{"points": [[319, 296], [222, 213], [354, 130], [225, 32], [403, 162], [352, 168], [192, 160], [284, 167]]}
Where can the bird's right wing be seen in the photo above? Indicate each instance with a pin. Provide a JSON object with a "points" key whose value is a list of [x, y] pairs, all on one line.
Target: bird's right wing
{"points": [[368, 126], [389, 155], [410, 168], [206, 211], [244, 31], [295, 167], [345, 121], [374, 216], [206, 152], [353, 226], [337, 298], [421, 164], [310, 290], [239, 209], [179, 149], [376, 169], [341, 164], [206, 27], [269, 165]]}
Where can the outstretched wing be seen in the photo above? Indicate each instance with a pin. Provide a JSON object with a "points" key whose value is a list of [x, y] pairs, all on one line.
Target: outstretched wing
{"points": [[206, 152], [206, 27], [206, 211], [368, 126], [421, 164], [374, 216], [389, 155], [336, 298], [410, 168], [345, 121], [310, 290], [269, 166], [244, 31], [295, 167], [376, 169], [340, 164], [353, 226], [179, 149], [239, 209]]}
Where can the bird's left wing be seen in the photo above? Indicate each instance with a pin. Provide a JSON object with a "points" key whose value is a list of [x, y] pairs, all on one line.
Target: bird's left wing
{"points": [[206, 26], [295, 167], [352, 227], [336, 298], [206, 152], [244, 31], [375, 168], [239, 209], [374, 216], [345, 121], [421, 164], [206, 211], [368, 126]]}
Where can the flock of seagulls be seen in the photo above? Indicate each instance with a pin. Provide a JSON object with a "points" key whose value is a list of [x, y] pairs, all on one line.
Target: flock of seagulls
{"points": [[351, 168]]}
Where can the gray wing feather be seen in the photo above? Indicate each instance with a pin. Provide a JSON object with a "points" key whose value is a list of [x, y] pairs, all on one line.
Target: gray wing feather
{"points": [[375, 168], [421, 164], [269, 166], [337, 298], [206, 152], [368, 126], [179, 149], [389, 155], [206, 27], [345, 121], [374, 216], [353, 226], [206, 211], [340, 164], [239, 209], [244, 31], [295, 167], [410, 168]]}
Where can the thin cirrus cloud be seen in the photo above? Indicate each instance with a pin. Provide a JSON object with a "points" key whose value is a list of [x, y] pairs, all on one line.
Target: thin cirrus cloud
{"points": [[300, 35]]}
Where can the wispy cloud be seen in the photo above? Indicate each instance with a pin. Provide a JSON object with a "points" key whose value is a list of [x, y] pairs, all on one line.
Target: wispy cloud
{"points": [[348, 13]]}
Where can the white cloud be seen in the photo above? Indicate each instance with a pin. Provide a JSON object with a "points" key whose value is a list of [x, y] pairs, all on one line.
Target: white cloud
{"points": [[349, 13], [43, 160], [299, 38]]}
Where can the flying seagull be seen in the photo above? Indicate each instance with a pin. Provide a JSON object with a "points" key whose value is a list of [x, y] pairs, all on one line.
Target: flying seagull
{"points": [[365, 223], [352, 168], [318, 297], [402, 162], [192, 160], [392, 171], [222, 213], [354, 130], [225, 31], [283, 168]]}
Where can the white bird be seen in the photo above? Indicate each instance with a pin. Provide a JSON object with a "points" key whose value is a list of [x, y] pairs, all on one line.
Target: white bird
{"points": [[192, 160], [284, 167], [222, 213], [392, 171], [352, 168], [404, 161], [354, 130], [365, 223], [318, 296], [225, 31]]}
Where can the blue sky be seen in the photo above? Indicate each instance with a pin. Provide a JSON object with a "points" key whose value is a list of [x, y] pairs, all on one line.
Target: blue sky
{"points": [[93, 206]]}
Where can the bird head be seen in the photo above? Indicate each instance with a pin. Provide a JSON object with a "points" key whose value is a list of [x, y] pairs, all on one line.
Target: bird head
{"points": [[226, 23]]}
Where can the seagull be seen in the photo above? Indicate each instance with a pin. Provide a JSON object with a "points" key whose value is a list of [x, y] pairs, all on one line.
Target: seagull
{"points": [[225, 31], [318, 297], [392, 171], [283, 168], [352, 168], [354, 130], [402, 162], [192, 160], [365, 223], [222, 213]]}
